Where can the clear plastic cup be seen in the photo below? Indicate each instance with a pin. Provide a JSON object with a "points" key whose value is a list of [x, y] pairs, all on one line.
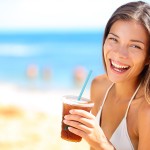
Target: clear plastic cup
{"points": [[72, 102]]}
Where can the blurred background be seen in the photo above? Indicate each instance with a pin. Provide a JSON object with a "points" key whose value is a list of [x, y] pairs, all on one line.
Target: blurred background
{"points": [[47, 48]]}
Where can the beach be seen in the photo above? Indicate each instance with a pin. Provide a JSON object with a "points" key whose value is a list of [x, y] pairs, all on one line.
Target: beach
{"points": [[30, 118]]}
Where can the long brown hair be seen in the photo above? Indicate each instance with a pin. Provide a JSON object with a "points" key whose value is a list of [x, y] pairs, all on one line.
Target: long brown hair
{"points": [[139, 11]]}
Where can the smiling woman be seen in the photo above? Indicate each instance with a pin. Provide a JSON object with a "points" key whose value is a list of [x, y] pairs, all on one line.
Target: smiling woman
{"points": [[125, 54], [121, 114]]}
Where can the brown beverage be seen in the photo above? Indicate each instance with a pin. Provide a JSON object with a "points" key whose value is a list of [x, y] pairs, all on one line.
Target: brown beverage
{"points": [[71, 102]]}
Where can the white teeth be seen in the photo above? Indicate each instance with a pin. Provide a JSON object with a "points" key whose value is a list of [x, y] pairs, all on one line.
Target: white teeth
{"points": [[119, 66]]}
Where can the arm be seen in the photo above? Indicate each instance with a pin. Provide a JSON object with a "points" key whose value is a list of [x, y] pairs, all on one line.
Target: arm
{"points": [[85, 125], [143, 127]]}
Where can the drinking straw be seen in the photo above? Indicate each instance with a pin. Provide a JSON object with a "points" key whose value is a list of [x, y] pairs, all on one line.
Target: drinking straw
{"points": [[85, 83]]}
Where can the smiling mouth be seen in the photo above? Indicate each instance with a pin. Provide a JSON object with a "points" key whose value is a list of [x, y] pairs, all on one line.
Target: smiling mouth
{"points": [[120, 68]]}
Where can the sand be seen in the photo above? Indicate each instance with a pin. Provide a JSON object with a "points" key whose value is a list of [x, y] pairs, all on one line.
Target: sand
{"points": [[30, 119]]}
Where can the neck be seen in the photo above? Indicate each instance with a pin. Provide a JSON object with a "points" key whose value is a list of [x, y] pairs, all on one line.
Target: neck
{"points": [[124, 91]]}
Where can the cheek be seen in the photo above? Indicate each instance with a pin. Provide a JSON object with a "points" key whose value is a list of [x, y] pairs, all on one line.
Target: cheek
{"points": [[107, 50], [138, 57], [104, 53], [106, 56], [140, 63], [109, 47]]}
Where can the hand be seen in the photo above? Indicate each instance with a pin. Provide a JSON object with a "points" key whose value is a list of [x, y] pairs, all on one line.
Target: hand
{"points": [[85, 125]]}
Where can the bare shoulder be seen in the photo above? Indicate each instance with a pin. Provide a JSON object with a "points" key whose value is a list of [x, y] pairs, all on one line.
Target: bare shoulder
{"points": [[144, 112], [99, 87], [143, 125], [99, 84], [102, 79]]}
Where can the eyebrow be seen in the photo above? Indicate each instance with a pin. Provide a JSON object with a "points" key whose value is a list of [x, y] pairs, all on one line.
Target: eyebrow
{"points": [[138, 41], [114, 34], [131, 39]]}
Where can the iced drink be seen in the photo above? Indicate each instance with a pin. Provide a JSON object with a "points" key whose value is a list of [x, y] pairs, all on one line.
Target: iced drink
{"points": [[71, 102]]}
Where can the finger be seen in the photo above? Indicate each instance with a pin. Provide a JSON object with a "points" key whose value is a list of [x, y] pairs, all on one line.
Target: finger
{"points": [[78, 126], [77, 132], [82, 113], [87, 122]]}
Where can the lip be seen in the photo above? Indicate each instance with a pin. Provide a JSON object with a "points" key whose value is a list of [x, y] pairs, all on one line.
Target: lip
{"points": [[118, 67]]}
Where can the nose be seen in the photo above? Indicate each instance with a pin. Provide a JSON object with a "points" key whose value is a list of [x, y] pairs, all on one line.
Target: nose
{"points": [[122, 52]]}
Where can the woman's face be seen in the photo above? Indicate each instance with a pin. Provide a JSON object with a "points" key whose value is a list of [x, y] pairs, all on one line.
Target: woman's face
{"points": [[125, 51]]}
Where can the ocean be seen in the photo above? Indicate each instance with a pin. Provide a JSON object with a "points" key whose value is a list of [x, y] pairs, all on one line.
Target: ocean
{"points": [[57, 52]]}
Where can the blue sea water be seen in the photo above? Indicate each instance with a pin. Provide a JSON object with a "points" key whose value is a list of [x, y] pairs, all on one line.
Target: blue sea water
{"points": [[61, 52]]}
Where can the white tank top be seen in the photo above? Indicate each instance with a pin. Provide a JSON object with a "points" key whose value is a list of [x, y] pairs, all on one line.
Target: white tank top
{"points": [[120, 138]]}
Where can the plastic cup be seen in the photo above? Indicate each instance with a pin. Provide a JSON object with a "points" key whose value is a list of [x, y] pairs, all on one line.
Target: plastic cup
{"points": [[72, 102]]}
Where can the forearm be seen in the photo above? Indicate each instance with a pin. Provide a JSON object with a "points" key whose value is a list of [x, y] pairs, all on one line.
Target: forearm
{"points": [[107, 146], [103, 144], [104, 147]]}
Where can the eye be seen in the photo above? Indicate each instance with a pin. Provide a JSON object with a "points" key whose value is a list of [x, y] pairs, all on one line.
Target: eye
{"points": [[113, 39], [136, 46]]}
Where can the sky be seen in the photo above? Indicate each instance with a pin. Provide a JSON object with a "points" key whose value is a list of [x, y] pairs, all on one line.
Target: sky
{"points": [[56, 14]]}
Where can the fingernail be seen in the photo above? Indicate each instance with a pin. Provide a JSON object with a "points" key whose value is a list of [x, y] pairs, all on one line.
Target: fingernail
{"points": [[64, 121], [69, 128], [70, 111]]}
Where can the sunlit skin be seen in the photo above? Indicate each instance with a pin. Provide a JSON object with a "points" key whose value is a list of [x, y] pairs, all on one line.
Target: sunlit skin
{"points": [[125, 53]]}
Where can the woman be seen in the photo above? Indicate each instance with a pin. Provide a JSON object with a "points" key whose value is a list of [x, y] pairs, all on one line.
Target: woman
{"points": [[121, 96]]}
